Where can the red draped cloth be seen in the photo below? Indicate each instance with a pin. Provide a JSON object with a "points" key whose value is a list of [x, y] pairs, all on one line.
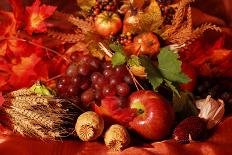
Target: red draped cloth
{"points": [[219, 143]]}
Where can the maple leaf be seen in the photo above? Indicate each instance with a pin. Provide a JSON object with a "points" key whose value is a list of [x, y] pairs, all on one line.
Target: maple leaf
{"points": [[111, 109], [36, 15], [7, 33], [7, 23], [23, 73], [18, 11], [5, 71], [209, 59]]}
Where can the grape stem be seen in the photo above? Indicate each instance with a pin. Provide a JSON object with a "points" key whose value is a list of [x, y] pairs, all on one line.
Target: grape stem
{"points": [[55, 77], [110, 54], [136, 82]]}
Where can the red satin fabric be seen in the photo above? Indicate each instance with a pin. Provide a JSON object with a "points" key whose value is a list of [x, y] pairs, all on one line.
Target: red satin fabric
{"points": [[219, 143]]}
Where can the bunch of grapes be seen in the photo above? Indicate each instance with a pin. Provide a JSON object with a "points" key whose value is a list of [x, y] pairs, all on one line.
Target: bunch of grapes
{"points": [[166, 11], [218, 88], [90, 80], [123, 39], [103, 5]]}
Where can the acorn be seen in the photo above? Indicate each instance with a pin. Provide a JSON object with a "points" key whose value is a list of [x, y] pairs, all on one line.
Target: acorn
{"points": [[117, 137], [191, 128], [89, 126]]}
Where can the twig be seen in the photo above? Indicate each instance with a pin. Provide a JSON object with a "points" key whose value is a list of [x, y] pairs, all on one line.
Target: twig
{"points": [[136, 82], [55, 77], [107, 52], [38, 45]]}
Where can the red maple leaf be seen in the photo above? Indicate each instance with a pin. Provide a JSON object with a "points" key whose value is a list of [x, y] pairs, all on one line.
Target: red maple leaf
{"points": [[112, 110], [7, 23], [18, 11], [5, 71], [36, 16], [23, 73], [210, 59]]}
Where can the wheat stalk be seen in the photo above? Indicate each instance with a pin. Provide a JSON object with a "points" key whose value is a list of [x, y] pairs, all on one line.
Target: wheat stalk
{"points": [[85, 25], [66, 37], [25, 126], [20, 92], [41, 119]]}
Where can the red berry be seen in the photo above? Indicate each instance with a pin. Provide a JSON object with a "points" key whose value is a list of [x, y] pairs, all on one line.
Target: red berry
{"points": [[108, 7]]}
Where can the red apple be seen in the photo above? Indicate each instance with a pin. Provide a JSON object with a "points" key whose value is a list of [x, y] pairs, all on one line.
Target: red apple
{"points": [[146, 43], [155, 115]]}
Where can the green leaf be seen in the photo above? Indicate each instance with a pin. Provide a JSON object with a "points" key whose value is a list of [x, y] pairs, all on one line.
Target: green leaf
{"points": [[134, 61], [153, 74], [170, 66], [116, 48], [170, 85], [118, 59]]}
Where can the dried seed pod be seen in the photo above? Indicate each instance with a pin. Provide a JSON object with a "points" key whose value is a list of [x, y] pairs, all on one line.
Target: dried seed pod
{"points": [[117, 138], [211, 110], [89, 126]]}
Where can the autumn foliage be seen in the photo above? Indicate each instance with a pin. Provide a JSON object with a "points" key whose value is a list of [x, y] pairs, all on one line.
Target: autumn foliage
{"points": [[23, 56], [210, 59], [26, 53]]}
